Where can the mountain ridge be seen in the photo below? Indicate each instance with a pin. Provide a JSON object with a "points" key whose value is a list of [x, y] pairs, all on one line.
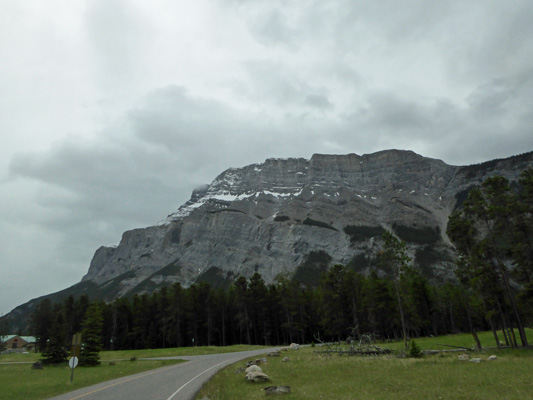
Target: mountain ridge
{"points": [[386, 188], [295, 217]]}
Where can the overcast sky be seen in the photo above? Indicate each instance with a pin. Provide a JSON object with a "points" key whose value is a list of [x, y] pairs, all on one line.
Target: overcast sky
{"points": [[112, 111]]}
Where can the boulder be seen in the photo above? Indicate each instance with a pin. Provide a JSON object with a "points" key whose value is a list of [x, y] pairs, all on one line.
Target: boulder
{"points": [[37, 365], [253, 368], [464, 357], [277, 390], [274, 354], [492, 358], [477, 360], [257, 377], [285, 359], [294, 346]]}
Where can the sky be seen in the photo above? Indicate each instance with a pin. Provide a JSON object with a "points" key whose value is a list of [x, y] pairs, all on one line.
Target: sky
{"points": [[113, 111]]}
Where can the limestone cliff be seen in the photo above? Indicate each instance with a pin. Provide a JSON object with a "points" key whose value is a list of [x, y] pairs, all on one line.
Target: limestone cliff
{"points": [[296, 216]]}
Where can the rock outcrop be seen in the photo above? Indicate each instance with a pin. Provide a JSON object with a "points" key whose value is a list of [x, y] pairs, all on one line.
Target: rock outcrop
{"points": [[295, 217]]}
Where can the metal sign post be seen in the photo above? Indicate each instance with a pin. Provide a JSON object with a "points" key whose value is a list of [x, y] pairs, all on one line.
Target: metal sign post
{"points": [[74, 353]]}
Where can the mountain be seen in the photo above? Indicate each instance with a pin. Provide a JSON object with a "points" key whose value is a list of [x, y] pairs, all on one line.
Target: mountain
{"points": [[294, 218]]}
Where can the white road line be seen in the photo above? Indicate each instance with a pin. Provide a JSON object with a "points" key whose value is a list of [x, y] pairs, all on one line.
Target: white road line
{"points": [[200, 374], [125, 381]]}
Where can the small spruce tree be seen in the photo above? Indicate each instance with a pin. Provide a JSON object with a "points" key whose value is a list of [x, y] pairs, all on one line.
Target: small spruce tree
{"points": [[414, 350]]}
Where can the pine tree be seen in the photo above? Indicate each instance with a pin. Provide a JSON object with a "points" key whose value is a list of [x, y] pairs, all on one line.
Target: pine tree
{"points": [[484, 232], [56, 352], [395, 257], [335, 303], [92, 336], [40, 323]]}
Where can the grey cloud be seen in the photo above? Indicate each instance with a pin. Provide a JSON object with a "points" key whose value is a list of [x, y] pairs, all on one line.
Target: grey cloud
{"points": [[179, 122], [347, 20], [272, 28], [318, 101], [276, 84], [504, 103], [440, 128], [138, 174], [119, 36], [491, 98], [491, 42], [389, 111]]}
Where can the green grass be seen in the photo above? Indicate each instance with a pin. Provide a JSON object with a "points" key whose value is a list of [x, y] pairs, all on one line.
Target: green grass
{"points": [[147, 353], [174, 352], [19, 357], [459, 340], [441, 376]]}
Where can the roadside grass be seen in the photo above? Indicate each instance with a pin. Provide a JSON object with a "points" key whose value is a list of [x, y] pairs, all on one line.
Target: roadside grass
{"points": [[449, 342], [317, 376], [145, 353], [20, 382], [20, 357], [174, 352]]}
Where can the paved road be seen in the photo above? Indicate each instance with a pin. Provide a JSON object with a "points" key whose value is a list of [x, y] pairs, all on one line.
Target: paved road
{"points": [[177, 382]]}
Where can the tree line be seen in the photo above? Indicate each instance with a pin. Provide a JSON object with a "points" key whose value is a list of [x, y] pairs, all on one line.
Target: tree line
{"points": [[492, 232]]}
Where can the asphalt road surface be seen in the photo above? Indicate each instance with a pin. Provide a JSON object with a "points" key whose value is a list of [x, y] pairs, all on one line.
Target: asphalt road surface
{"points": [[176, 382]]}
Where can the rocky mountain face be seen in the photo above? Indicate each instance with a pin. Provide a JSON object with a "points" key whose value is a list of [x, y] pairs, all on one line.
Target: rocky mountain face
{"points": [[295, 217]]}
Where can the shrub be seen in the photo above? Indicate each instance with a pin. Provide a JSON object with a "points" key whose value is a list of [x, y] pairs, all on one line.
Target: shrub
{"points": [[315, 264], [362, 233], [425, 235], [320, 224], [414, 350]]}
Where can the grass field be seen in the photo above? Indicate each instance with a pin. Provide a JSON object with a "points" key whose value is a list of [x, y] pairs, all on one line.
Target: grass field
{"points": [[173, 352], [441, 376]]}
